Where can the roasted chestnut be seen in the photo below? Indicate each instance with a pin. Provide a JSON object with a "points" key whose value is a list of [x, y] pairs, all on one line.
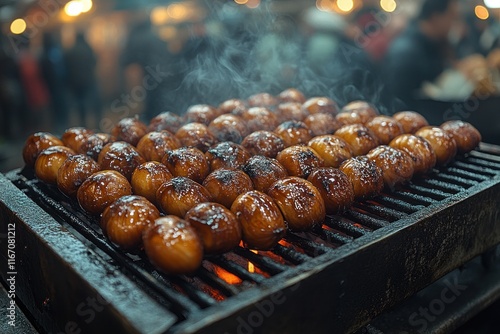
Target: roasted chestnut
{"points": [[73, 171], [264, 171], [299, 160], [187, 161], [291, 111], [366, 177], [48, 162], [94, 144], [166, 121], [363, 109], [74, 138], [292, 95], [466, 136], [154, 145], [147, 179], [396, 165], [259, 118], [120, 156], [196, 135], [232, 106], [385, 128], [217, 226], [178, 195], [101, 189], [294, 133], [300, 202], [225, 185], [419, 149], [359, 137], [263, 143], [442, 143], [410, 120], [36, 143], [226, 155], [322, 124], [201, 113], [335, 188], [332, 149], [228, 127], [129, 130], [124, 220], [173, 246], [321, 105], [261, 221], [262, 100]]}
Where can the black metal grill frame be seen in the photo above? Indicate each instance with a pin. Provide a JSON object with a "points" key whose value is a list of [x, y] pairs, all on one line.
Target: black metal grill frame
{"points": [[338, 276]]}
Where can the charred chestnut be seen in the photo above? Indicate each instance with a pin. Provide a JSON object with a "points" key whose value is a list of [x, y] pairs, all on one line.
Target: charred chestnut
{"points": [[359, 137], [335, 188], [442, 143], [228, 127], [74, 138], [129, 130], [321, 105], [396, 165], [332, 149], [261, 221], [259, 118], [294, 133], [120, 156], [73, 171], [201, 113], [147, 179], [410, 121], [173, 246], [226, 184], [299, 160], [385, 128], [262, 100], [263, 143], [178, 195], [226, 155], [419, 150], [124, 221], [166, 121], [218, 228], [154, 145], [196, 135], [466, 136], [300, 202], [187, 161], [264, 171], [49, 161], [36, 143], [365, 176], [322, 124], [101, 189], [94, 144]]}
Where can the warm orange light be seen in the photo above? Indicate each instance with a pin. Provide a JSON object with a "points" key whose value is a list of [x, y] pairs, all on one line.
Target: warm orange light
{"points": [[251, 267], [388, 5], [177, 11], [159, 16], [253, 3], [86, 5], [481, 12], [345, 5], [226, 276], [18, 26], [241, 2], [73, 8]]}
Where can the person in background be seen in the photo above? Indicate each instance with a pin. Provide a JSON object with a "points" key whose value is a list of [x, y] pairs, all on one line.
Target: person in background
{"points": [[54, 72], [33, 114], [81, 64], [421, 53]]}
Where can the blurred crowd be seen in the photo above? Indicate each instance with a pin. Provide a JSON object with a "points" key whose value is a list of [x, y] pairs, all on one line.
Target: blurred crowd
{"points": [[443, 52]]}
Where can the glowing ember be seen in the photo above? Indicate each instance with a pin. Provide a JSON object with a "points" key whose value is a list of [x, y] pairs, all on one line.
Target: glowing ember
{"points": [[227, 276], [251, 267]]}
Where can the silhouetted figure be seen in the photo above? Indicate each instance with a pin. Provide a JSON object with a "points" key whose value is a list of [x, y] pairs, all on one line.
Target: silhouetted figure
{"points": [[54, 72], [81, 63]]}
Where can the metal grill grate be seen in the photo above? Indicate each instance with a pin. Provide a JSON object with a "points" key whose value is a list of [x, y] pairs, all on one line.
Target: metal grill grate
{"points": [[222, 277]]}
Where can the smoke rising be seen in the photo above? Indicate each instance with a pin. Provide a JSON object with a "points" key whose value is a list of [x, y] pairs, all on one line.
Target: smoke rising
{"points": [[257, 51]]}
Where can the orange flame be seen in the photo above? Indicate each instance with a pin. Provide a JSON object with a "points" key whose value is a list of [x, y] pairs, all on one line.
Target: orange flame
{"points": [[251, 267]]}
